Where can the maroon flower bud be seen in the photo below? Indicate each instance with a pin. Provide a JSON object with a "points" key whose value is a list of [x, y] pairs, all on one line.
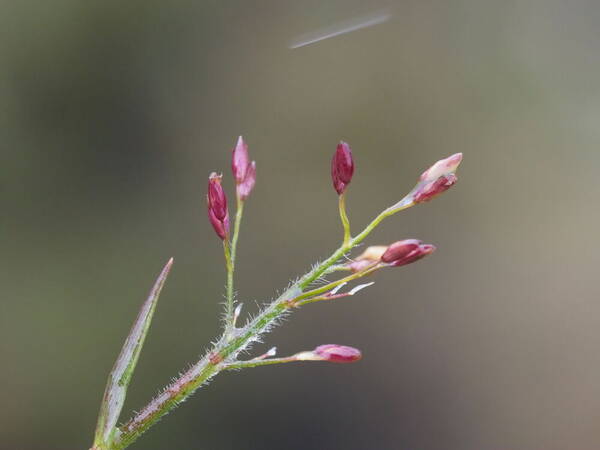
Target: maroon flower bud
{"points": [[405, 252], [243, 170], [221, 226], [400, 250], [432, 188], [342, 167], [337, 353], [217, 206]]}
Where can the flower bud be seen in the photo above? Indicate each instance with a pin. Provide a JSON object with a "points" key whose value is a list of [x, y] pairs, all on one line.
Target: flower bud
{"points": [[359, 266], [372, 253], [400, 250], [406, 252], [217, 206], [337, 353], [243, 170], [365, 259], [240, 160], [246, 186], [342, 167], [442, 167], [433, 188]]}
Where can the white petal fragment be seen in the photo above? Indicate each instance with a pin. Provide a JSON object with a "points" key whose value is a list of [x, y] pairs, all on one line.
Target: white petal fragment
{"points": [[360, 287], [237, 311], [338, 287]]}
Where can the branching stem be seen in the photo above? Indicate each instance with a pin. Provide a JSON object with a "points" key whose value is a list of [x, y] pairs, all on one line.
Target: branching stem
{"points": [[223, 354], [300, 300]]}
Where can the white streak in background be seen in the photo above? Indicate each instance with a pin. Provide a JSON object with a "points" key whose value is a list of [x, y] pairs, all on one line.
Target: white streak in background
{"points": [[347, 26]]}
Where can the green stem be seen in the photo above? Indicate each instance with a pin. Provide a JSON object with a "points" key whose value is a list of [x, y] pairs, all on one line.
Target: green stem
{"points": [[170, 398], [338, 268], [236, 228], [344, 217], [306, 295], [229, 346], [229, 266], [259, 362], [322, 268], [230, 253]]}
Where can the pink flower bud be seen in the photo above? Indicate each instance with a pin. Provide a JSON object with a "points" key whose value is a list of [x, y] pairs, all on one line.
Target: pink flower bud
{"points": [[337, 353], [246, 186], [371, 255], [433, 188], [359, 266], [217, 206], [399, 253], [400, 250], [342, 167], [243, 170], [240, 160], [442, 167]]}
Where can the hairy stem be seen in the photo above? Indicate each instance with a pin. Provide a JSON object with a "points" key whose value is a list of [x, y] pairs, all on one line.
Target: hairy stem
{"points": [[224, 352], [322, 268], [230, 254], [229, 266], [201, 372], [259, 362], [298, 301]]}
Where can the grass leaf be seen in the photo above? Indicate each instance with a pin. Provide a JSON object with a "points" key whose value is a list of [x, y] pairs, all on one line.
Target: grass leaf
{"points": [[120, 376]]}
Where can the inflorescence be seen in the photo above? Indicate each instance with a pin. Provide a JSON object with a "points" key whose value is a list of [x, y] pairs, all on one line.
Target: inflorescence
{"points": [[224, 353]]}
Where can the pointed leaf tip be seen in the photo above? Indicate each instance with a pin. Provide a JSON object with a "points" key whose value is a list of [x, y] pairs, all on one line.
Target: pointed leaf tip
{"points": [[120, 376]]}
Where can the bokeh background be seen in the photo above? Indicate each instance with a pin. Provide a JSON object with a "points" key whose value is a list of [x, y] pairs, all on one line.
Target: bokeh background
{"points": [[113, 113]]}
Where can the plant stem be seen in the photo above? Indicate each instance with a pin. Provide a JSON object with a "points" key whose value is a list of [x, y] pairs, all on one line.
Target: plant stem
{"points": [[306, 295], [236, 228], [229, 284], [259, 362], [198, 374], [324, 266], [230, 252], [344, 217], [338, 268], [224, 352]]}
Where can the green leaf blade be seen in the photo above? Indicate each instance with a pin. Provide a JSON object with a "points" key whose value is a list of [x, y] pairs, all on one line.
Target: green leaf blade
{"points": [[120, 376]]}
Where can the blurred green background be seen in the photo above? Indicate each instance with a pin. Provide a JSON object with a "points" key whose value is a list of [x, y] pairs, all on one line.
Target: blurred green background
{"points": [[113, 113]]}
